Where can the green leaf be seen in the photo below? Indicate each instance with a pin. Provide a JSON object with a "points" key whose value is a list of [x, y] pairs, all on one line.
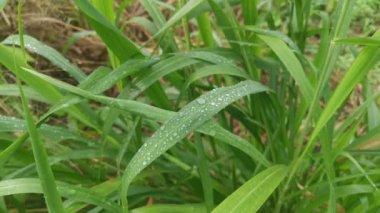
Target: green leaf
{"points": [[291, 63], [367, 58], [188, 119], [79, 194], [188, 7], [120, 45], [45, 173], [252, 195], [367, 41], [12, 124], [35, 46], [12, 90]]}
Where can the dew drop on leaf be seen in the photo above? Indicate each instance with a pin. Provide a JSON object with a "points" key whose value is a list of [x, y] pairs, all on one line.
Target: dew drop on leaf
{"points": [[201, 101]]}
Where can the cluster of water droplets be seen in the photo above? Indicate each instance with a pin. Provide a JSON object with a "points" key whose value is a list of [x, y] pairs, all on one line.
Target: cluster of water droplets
{"points": [[191, 116], [13, 123]]}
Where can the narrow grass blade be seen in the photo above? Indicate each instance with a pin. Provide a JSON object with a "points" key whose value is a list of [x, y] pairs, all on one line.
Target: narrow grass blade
{"points": [[32, 185], [367, 41], [11, 124], [204, 173], [167, 42], [291, 63], [204, 24], [51, 54], [221, 134], [252, 195], [188, 119], [190, 5], [225, 23], [49, 187], [12, 90], [12, 61], [215, 70]]}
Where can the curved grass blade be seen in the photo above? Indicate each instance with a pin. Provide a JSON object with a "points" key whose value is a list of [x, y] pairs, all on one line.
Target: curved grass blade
{"points": [[188, 119], [291, 63], [32, 185], [252, 195], [51, 54]]}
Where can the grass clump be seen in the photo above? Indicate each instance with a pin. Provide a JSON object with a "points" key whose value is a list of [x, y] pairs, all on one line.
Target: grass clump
{"points": [[220, 106]]}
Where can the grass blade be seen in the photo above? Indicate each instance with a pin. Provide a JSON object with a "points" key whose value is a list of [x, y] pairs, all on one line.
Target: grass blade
{"points": [[188, 119], [367, 41], [49, 187], [32, 185], [121, 46], [51, 54], [291, 63], [252, 195], [190, 5]]}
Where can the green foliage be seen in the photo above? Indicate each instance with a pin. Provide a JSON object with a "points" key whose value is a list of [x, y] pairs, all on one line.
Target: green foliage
{"points": [[213, 113]]}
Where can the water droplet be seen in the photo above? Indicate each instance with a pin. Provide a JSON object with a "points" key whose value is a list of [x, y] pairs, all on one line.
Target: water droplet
{"points": [[201, 101], [144, 163]]}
